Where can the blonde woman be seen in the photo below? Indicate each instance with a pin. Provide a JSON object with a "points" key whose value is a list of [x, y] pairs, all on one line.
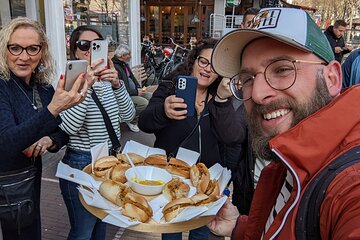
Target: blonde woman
{"points": [[29, 110]]}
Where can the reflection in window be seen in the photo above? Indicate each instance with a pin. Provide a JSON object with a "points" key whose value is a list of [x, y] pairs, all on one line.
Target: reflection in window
{"points": [[17, 8]]}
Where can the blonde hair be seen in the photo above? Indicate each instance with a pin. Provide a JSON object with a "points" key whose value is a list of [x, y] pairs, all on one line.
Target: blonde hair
{"points": [[44, 72]]}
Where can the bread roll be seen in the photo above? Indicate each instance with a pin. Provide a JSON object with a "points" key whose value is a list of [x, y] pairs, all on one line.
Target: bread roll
{"points": [[136, 158], [212, 189], [156, 160], [202, 199], [178, 167], [136, 207], [104, 164], [173, 208], [114, 191], [176, 189], [199, 174], [117, 173]]}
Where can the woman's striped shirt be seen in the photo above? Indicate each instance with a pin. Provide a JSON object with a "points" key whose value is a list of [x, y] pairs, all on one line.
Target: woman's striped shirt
{"points": [[84, 122]]}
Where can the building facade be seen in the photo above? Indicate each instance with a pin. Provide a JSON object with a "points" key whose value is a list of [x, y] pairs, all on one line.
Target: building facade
{"points": [[122, 21]]}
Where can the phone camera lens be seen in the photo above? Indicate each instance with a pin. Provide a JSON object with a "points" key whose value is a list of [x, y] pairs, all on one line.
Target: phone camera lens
{"points": [[94, 48], [70, 66]]}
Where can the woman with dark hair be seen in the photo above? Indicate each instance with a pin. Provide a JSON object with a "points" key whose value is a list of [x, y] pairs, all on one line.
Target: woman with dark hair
{"points": [[165, 116], [86, 128]]}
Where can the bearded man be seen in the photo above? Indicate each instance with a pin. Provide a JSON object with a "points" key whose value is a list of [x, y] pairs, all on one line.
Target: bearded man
{"points": [[290, 84]]}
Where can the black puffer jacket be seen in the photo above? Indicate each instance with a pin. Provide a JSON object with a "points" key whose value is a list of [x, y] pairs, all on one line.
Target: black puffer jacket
{"points": [[336, 42], [170, 133], [120, 67], [230, 127]]}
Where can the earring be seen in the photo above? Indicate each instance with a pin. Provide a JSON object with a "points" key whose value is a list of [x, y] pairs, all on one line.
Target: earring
{"points": [[41, 67]]}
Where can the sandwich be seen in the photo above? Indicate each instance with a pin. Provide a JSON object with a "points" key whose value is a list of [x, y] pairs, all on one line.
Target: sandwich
{"points": [[202, 199], [178, 167], [156, 160], [104, 164], [173, 208], [136, 158], [136, 207], [199, 174], [175, 189], [212, 189], [117, 173], [115, 192]]}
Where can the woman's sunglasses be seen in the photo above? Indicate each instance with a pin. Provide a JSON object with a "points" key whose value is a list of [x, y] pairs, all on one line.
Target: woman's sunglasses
{"points": [[84, 45]]}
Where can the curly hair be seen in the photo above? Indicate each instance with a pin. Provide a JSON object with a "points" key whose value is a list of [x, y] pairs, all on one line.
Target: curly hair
{"points": [[187, 67], [44, 72]]}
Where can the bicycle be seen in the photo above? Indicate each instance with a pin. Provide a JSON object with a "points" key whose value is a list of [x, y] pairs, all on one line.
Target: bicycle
{"points": [[150, 64], [171, 60]]}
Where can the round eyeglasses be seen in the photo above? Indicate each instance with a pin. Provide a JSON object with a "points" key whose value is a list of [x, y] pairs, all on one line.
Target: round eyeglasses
{"points": [[280, 75], [31, 50], [204, 62]]}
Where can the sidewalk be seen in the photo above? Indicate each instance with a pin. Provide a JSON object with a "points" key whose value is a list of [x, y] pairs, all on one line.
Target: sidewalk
{"points": [[55, 223]]}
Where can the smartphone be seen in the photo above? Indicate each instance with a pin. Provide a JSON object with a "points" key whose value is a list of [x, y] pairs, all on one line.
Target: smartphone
{"points": [[186, 89], [99, 49], [73, 69]]}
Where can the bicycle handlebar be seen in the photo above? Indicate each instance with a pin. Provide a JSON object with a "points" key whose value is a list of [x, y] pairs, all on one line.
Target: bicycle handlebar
{"points": [[179, 46]]}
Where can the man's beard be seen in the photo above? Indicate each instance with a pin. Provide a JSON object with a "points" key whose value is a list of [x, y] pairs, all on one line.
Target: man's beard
{"points": [[260, 143]]}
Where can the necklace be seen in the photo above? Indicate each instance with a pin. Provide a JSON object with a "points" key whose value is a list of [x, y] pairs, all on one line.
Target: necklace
{"points": [[33, 101]]}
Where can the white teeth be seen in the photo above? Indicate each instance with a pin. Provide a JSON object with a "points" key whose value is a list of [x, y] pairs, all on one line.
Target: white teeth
{"points": [[276, 114]]}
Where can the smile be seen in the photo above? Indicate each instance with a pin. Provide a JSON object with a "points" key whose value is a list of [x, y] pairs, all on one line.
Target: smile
{"points": [[276, 114], [204, 75]]}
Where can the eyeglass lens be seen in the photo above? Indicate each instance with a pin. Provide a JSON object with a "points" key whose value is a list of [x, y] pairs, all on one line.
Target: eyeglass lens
{"points": [[31, 50], [280, 75], [83, 45], [203, 63]]}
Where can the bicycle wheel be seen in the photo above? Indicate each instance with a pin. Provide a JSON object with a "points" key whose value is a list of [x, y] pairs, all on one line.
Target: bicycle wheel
{"points": [[169, 67], [150, 73]]}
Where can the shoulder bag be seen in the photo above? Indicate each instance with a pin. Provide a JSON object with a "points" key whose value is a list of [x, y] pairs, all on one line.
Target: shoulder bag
{"points": [[17, 198]]}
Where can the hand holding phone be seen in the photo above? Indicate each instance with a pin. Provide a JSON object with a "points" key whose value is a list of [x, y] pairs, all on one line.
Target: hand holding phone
{"points": [[186, 89], [73, 69]]}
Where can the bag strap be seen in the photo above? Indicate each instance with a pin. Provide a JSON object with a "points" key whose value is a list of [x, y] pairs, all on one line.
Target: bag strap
{"points": [[112, 134], [308, 216]]}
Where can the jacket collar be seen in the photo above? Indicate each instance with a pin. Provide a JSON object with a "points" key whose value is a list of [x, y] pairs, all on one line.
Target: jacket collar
{"points": [[313, 143]]}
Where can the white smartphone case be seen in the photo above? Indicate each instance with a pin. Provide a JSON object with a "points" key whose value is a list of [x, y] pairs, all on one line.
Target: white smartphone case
{"points": [[99, 49]]}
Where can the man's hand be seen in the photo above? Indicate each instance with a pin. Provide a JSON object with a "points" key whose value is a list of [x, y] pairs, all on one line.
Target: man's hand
{"points": [[141, 91], [338, 49], [225, 220], [349, 47]]}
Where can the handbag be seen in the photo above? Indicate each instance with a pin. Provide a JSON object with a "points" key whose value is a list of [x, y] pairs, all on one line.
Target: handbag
{"points": [[116, 146], [17, 198]]}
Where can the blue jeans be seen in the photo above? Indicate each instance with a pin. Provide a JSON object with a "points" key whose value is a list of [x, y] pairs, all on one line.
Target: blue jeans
{"points": [[84, 225], [201, 233]]}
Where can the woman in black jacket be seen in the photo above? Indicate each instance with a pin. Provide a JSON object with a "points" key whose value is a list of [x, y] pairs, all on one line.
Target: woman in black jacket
{"points": [[165, 116]]}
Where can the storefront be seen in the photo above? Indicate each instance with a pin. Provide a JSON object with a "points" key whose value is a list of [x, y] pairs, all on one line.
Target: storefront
{"points": [[179, 20]]}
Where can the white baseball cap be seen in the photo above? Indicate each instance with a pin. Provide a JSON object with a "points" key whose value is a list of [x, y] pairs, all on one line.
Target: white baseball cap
{"points": [[291, 26]]}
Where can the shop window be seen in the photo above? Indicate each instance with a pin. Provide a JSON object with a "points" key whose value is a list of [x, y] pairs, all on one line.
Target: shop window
{"points": [[17, 8]]}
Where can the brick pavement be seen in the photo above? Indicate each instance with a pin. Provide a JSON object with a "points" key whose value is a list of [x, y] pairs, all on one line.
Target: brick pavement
{"points": [[55, 224]]}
